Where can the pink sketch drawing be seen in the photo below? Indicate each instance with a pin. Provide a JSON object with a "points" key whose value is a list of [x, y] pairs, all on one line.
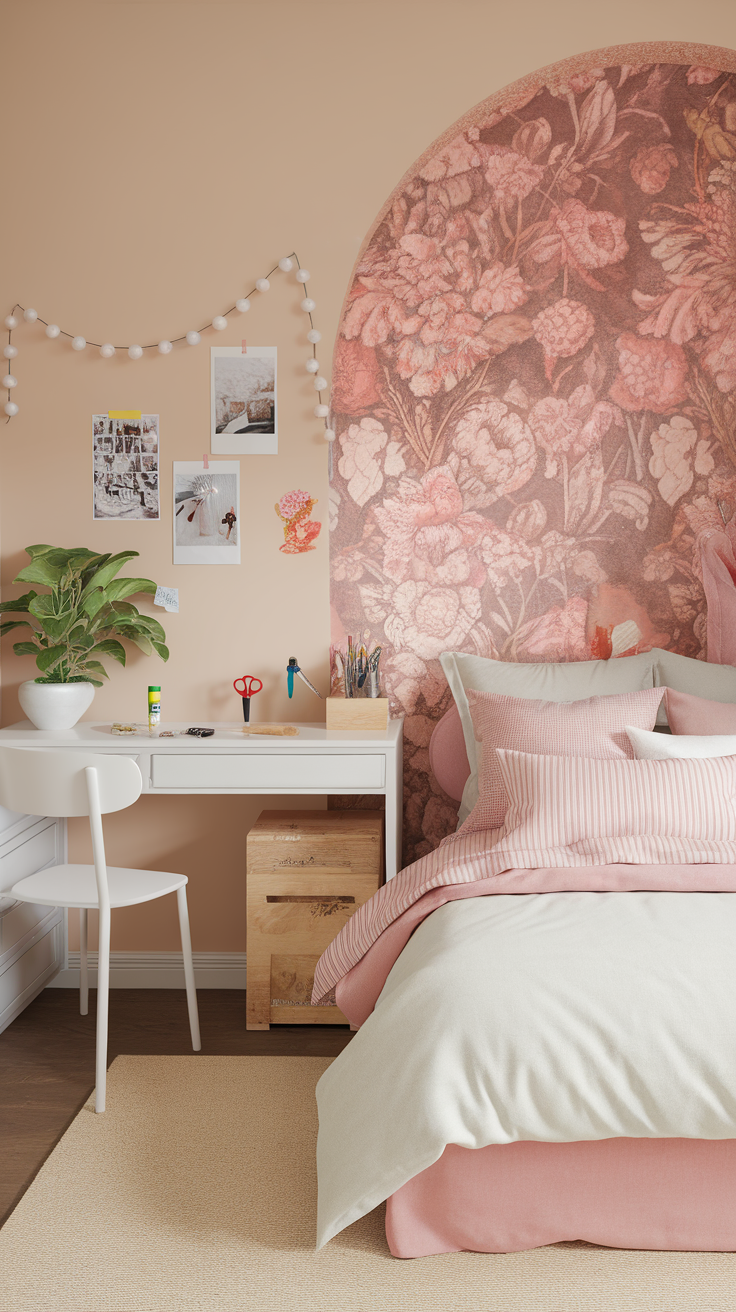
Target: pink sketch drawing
{"points": [[294, 509], [534, 384]]}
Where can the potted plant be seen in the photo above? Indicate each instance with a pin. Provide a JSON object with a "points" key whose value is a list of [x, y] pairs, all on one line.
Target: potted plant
{"points": [[81, 617]]}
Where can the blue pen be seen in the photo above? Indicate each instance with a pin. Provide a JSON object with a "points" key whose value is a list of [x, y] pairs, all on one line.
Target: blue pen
{"points": [[294, 668]]}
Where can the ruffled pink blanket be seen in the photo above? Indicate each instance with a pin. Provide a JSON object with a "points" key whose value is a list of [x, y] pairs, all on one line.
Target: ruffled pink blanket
{"points": [[354, 967]]}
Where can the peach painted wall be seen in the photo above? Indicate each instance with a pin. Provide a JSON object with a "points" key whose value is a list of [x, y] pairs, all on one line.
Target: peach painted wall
{"points": [[157, 158]]}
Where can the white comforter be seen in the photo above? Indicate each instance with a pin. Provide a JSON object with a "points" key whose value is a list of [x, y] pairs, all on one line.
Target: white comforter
{"points": [[554, 1017]]}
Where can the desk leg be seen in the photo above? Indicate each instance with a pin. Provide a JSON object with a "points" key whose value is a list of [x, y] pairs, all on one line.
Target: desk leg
{"points": [[394, 826]]}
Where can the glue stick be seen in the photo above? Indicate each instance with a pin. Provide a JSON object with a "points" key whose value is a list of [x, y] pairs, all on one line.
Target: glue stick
{"points": [[154, 706]]}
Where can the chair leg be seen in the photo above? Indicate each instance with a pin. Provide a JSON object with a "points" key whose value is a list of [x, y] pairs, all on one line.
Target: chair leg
{"points": [[186, 947], [103, 993], [83, 974]]}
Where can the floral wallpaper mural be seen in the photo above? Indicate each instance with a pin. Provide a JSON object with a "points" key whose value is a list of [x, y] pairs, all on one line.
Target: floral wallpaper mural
{"points": [[534, 385]]}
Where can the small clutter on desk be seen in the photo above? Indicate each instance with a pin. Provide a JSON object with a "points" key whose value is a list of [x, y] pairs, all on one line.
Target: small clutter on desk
{"points": [[245, 687], [123, 728], [358, 705], [154, 706], [294, 668], [282, 730]]}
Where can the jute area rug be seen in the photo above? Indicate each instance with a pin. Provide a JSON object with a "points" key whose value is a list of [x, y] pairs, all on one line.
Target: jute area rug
{"points": [[196, 1190]]}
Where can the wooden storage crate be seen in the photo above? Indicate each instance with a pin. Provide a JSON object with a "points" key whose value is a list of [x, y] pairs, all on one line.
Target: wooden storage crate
{"points": [[307, 872]]}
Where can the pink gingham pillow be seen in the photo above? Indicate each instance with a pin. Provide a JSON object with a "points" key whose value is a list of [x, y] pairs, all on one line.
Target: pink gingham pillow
{"points": [[595, 727]]}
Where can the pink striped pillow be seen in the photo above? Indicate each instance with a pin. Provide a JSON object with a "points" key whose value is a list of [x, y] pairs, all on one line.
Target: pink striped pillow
{"points": [[594, 727], [558, 801]]}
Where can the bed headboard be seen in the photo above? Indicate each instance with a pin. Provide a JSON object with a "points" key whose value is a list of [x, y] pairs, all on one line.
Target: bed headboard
{"points": [[533, 432]]}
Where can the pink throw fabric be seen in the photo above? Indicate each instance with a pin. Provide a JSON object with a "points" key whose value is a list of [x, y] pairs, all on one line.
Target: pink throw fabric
{"points": [[718, 561], [697, 715], [448, 757], [670, 1194], [593, 727]]}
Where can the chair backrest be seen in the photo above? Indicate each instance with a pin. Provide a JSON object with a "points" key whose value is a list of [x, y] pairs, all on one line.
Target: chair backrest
{"points": [[41, 782]]}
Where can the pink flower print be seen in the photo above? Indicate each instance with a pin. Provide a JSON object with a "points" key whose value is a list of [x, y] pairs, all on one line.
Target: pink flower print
{"points": [[457, 156], [356, 377], [511, 176], [677, 455], [698, 75], [429, 620], [426, 535], [505, 555], [493, 453], [358, 464], [292, 503], [577, 83], [559, 634], [407, 678], [651, 166], [528, 520], [570, 427], [500, 290], [294, 509], [562, 329], [443, 364], [594, 238], [652, 375]]}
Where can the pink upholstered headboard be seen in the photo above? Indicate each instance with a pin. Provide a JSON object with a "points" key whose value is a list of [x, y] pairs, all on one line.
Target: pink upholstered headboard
{"points": [[448, 757]]}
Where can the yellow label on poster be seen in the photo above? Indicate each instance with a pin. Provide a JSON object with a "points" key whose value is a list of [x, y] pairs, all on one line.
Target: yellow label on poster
{"points": [[134, 415]]}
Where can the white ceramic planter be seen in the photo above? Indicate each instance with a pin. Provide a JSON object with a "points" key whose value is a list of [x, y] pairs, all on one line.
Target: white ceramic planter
{"points": [[55, 705]]}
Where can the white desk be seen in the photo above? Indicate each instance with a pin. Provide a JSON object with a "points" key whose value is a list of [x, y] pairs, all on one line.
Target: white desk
{"points": [[317, 762]]}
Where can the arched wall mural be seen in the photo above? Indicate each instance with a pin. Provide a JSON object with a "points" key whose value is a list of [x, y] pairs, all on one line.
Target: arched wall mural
{"points": [[534, 383]]}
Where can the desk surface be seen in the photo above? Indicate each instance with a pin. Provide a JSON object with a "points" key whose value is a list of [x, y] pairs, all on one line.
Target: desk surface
{"points": [[228, 736]]}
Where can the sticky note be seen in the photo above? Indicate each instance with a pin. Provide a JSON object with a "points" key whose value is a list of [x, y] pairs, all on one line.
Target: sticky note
{"points": [[244, 346], [168, 598], [133, 415]]}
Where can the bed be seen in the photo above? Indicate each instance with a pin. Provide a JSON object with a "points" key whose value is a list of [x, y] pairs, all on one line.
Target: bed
{"points": [[545, 1006]]}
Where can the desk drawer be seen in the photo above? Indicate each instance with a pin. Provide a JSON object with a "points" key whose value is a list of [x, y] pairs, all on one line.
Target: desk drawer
{"points": [[272, 772]]}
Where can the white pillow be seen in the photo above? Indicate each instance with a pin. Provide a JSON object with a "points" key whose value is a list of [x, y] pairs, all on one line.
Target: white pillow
{"points": [[569, 681], [650, 746], [717, 683]]}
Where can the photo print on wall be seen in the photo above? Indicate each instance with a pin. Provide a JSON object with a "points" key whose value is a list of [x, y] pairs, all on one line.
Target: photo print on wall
{"points": [[125, 461], [206, 513], [243, 400]]}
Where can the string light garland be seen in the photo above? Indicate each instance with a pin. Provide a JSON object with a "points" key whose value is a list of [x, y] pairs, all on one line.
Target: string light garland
{"points": [[165, 346]]}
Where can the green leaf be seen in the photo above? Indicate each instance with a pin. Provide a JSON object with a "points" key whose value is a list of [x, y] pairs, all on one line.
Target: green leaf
{"points": [[142, 642], [121, 588], [20, 603], [109, 647], [7, 625], [39, 571], [96, 667], [75, 558], [25, 648], [102, 577], [152, 627], [39, 550], [46, 659], [94, 602], [162, 650]]}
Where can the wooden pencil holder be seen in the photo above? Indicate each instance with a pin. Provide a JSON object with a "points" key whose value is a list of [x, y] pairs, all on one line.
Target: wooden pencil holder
{"points": [[357, 713]]}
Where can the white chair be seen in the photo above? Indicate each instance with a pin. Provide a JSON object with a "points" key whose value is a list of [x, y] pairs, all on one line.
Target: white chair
{"points": [[68, 783]]}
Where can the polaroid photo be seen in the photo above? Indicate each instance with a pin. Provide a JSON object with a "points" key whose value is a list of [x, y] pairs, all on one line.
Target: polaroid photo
{"points": [[206, 513], [243, 401], [125, 484]]}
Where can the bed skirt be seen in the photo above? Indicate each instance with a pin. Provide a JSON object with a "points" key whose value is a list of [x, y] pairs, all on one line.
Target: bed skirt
{"points": [[671, 1194]]}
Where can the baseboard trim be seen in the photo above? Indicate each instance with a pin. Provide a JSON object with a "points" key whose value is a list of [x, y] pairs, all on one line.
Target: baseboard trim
{"points": [[158, 970]]}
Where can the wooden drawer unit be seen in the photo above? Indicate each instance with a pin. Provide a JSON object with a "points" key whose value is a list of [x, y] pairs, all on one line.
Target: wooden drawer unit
{"points": [[308, 871]]}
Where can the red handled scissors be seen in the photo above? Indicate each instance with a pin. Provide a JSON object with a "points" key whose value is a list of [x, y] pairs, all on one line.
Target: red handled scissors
{"points": [[247, 687]]}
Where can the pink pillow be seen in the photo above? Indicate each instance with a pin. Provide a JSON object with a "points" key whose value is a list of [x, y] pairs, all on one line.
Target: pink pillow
{"points": [[593, 727], [688, 714], [558, 801]]}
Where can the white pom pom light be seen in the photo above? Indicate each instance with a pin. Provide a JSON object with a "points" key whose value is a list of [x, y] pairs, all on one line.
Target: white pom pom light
{"points": [[314, 336], [11, 322], [164, 346], [243, 305], [320, 383], [286, 265], [52, 330], [79, 343], [107, 350], [303, 275], [330, 435], [321, 411], [10, 381], [312, 366], [10, 408], [219, 322], [193, 339], [10, 352], [308, 305], [135, 351], [262, 284], [30, 316]]}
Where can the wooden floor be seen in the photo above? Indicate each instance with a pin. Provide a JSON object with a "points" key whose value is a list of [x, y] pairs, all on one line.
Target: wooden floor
{"points": [[47, 1059]]}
